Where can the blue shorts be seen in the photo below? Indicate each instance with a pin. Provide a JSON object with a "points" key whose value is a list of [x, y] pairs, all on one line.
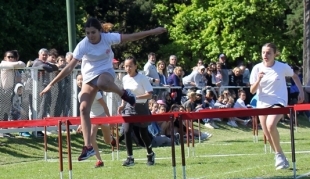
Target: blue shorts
{"points": [[95, 80]]}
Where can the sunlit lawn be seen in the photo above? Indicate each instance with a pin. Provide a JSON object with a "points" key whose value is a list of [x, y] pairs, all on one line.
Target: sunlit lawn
{"points": [[230, 153]]}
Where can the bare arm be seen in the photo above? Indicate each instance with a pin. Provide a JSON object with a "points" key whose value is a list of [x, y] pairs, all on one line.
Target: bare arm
{"points": [[147, 95], [255, 85], [105, 106], [142, 34], [64, 72], [18, 64], [301, 95]]}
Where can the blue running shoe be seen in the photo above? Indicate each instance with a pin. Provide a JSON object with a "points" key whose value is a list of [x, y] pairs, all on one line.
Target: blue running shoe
{"points": [[86, 153]]}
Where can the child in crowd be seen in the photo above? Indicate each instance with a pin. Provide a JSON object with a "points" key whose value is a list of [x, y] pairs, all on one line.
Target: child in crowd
{"points": [[154, 108], [166, 126], [229, 103], [17, 111], [224, 101], [209, 103], [96, 111], [159, 140], [168, 101], [220, 102], [240, 101], [161, 103], [150, 103], [240, 104], [232, 120]]}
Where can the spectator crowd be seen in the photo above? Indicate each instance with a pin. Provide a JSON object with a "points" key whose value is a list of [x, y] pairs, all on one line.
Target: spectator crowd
{"points": [[207, 85]]}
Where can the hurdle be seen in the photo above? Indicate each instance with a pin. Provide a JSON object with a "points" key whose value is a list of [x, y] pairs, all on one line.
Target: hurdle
{"points": [[115, 119], [67, 122], [69, 148], [222, 113], [297, 107], [187, 137], [61, 165], [116, 139], [174, 172], [58, 121], [182, 146]]}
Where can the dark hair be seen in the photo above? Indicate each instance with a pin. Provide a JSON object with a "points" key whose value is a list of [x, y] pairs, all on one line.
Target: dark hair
{"points": [[15, 54], [134, 61], [53, 52], [93, 22], [151, 54], [296, 68], [180, 106], [10, 51], [79, 73], [241, 91], [273, 46], [174, 106], [211, 93]]}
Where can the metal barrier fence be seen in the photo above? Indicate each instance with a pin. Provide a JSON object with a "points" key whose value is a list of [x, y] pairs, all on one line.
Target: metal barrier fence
{"points": [[60, 101]]}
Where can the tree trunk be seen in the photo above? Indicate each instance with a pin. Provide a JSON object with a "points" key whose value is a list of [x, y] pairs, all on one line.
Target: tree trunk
{"points": [[306, 43]]}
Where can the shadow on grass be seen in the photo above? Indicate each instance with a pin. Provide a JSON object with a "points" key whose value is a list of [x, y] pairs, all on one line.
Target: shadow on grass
{"points": [[18, 151]]}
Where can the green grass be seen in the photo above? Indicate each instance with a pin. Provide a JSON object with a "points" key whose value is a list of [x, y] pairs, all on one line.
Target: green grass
{"points": [[230, 153]]}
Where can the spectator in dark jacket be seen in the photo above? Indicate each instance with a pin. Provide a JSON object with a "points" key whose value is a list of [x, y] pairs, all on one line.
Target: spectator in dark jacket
{"points": [[176, 80], [235, 79], [43, 81]]}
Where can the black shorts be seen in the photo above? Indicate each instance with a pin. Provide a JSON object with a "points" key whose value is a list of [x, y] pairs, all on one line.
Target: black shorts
{"points": [[279, 105], [138, 109]]}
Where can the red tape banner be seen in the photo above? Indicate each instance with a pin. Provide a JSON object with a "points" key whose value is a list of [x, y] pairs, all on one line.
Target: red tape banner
{"points": [[302, 107], [207, 113]]}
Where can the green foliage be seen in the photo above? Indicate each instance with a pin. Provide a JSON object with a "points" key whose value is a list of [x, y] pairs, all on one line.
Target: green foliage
{"points": [[128, 17], [236, 27], [196, 28], [295, 27], [27, 26]]}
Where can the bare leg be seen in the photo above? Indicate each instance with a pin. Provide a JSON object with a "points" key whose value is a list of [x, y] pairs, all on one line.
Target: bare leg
{"points": [[106, 83], [88, 95], [271, 124], [262, 120], [106, 133], [94, 141]]}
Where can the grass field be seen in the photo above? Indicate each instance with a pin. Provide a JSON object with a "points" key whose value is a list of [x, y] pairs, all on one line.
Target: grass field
{"points": [[230, 153]]}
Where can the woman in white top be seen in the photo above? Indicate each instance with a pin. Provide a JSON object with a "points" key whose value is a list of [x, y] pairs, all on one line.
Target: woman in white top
{"points": [[96, 55], [267, 79], [143, 90], [98, 108]]}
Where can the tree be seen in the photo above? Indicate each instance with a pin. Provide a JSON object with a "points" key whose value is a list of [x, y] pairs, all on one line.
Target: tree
{"points": [[295, 28], [31, 25], [128, 17], [208, 28], [306, 42]]}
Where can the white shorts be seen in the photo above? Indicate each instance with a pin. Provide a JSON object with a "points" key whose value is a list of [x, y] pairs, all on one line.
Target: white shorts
{"points": [[101, 115]]}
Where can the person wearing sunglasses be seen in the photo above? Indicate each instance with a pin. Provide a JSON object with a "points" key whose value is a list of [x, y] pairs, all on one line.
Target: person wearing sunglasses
{"points": [[9, 77]]}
